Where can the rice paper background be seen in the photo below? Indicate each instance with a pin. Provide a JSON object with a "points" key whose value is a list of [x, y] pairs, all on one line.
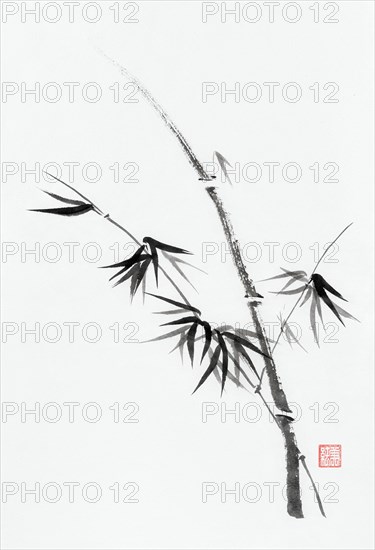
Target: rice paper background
{"points": [[171, 444]]}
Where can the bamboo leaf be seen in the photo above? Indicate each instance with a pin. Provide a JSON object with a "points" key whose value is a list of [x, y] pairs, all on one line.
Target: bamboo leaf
{"points": [[173, 261], [179, 260], [296, 341], [313, 319], [327, 300], [163, 246], [290, 292], [244, 342], [307, 296], [320, 283], [177, 304], [169, 312], [246, 356], [236, 361], [166, 336], [134, 280], [289, 333], [144, 280], [318, 307], [230, 376], [333, 291], [223, 165], [130, 261], [155, 261], [137, 261], [130, 273], [283, 325], [238, 351], [291, 282], [225, 360], [208, 338], [66, 211], [182, 321], [63, 199], [344, 313], [191, 341], [217, 374], [141, 274], [294, 274], [180, 344], [211, 367]]}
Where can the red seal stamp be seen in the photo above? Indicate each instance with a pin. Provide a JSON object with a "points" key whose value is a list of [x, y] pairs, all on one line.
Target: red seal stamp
{"points": [[330, 456]]}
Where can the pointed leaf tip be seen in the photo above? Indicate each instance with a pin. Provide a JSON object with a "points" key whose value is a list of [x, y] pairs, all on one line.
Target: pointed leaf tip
{"points": [[211, 367], [224, 350]]}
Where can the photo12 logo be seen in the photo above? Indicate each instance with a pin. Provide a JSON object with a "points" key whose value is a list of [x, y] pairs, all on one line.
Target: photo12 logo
{"points": [[69, 12], [69, 491], [270, 92], [270, 12]]}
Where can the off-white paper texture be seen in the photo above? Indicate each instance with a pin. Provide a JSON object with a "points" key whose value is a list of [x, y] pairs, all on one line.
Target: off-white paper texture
{"points": [[118, 452]]}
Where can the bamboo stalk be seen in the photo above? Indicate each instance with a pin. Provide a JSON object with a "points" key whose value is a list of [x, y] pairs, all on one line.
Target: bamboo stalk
{"points": [[277, 391], [294, 506]]}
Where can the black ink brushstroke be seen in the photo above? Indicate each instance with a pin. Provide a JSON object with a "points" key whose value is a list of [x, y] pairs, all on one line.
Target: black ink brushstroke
{"points": [[66, 211]]}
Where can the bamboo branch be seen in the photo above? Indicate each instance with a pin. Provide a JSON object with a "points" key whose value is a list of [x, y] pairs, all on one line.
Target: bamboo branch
{"points": [[320, 504], [278, 394], [304, 290], [328, 247], [107, 217]]}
